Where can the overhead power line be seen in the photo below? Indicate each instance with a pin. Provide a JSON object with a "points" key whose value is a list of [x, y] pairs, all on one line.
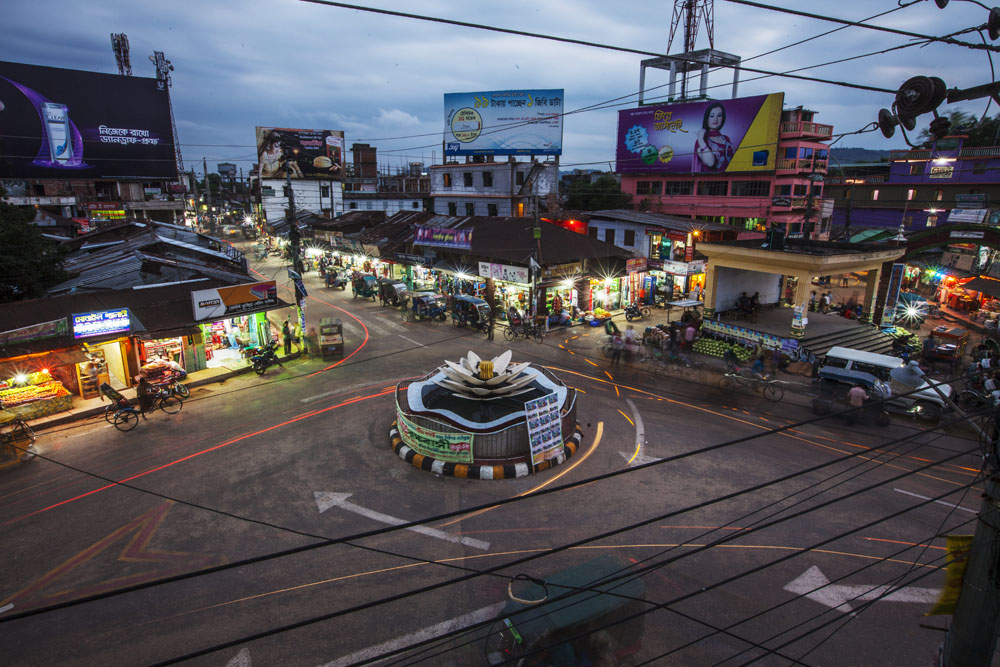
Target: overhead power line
{"points": [[895, 31]]}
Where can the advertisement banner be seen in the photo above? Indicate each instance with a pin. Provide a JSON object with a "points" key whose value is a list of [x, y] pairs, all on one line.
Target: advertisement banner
{"points": [[315, 154], [50, 329], [100, 323], [223, 302], [504, 272], [453, 447], [544, 428], [443, 238], [700, 137], [61, 123], [635, 264], [503, 122]]}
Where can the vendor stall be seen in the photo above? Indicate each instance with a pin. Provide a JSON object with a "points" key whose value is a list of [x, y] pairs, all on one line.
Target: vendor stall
{"points": [[34, 395]]}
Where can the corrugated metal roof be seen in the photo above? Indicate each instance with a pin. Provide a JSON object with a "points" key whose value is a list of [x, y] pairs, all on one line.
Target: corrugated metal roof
{"points": [[661, 220]]}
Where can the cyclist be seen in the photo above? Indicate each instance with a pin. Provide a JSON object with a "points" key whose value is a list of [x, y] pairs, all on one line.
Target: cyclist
{"points": [[146, 393]]}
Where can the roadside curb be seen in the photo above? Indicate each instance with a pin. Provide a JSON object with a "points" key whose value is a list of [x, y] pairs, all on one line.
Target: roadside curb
{"points": [[505, 471], [99, 410]]}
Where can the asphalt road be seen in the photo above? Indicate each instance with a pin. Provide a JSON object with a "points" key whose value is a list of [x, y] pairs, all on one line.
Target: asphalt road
{"points": [[742, 522]]}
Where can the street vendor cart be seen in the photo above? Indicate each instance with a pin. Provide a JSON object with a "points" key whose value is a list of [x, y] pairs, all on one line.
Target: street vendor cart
{"points": [[951, 343]]}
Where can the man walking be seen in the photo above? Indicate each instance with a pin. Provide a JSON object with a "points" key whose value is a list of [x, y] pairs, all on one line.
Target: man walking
{"points": [[286, 336], [489, 325]]}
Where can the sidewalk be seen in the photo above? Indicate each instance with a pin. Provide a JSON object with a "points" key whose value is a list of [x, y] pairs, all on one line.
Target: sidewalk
{"points": [[95, 407]]}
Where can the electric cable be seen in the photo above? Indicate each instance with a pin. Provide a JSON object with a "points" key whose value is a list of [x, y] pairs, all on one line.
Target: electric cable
{"points": [[468, 510]]}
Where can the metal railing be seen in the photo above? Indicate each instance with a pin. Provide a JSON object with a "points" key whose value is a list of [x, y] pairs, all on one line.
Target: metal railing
{"points": [[807, 128]]}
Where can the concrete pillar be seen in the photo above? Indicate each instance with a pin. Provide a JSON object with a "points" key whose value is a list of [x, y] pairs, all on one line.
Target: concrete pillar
{"points": [[869, 312], [801, 301], [711, 280]]}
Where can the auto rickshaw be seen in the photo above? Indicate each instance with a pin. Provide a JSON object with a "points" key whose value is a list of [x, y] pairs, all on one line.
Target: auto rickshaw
{"points": [[335, 279], [577, 617], [433, 307], [364, 286], [469, 310], [391, 292]]}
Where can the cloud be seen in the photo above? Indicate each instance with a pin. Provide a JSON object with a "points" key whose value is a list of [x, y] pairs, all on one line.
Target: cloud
{"points": [[396, 117]]}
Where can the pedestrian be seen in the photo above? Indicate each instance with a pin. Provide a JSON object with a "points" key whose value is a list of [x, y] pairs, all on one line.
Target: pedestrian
{"points": [[297, 335], [824, 303], [617, 348], [843, 280], [489, 325], [286, 336], [689, 333], [930, 344], [812, 301], [856, 398]]}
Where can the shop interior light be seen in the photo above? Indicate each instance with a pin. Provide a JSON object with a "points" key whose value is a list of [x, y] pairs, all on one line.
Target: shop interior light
{"points": [[45, 371], [463, 276], [568, 283], [247, 219], [20, 378]]}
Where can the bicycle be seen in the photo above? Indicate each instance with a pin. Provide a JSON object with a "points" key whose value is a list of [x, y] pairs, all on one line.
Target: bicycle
{"points": [[677, 363], [526, 331], [14, 433], [126, 418], [737, 377]]}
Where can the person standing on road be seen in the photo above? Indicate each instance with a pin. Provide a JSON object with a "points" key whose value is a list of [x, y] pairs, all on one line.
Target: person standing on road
{"points": [[286, 336], [617, 348], [489, 325], [856, 398]]}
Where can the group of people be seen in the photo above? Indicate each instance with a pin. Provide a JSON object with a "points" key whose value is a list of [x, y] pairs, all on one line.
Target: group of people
{"points": [[748, 304]]}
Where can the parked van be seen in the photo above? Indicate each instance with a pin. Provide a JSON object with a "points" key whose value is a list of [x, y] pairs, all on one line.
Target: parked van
{"points": [[846, 367]]}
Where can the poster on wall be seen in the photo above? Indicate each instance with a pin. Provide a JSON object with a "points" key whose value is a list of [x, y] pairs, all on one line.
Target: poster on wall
{"points": [[544, 428], [452, 447], [503, 122], [504, 272], [63, 123], [443, 237], [700, 137]]}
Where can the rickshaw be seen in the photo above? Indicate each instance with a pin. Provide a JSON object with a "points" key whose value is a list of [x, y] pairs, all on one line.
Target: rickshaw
{"points": [[433, 307], [364, 286], [469, 310], [391, 292], [573, 617], [334, 278]]}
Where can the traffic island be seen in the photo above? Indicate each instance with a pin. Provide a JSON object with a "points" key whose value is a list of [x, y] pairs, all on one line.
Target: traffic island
{"points": [[485, 419]]}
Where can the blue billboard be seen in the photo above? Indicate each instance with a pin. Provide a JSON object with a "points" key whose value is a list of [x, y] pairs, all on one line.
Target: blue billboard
{"points": [[503, 122]]}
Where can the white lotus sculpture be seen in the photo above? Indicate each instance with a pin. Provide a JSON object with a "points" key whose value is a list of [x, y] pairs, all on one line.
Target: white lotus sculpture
{"points": [[479, 379]]}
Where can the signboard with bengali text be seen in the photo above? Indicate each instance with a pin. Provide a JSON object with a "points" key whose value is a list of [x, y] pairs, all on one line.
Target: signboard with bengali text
{"points": [[100, 323], [443, 237], [452, 447], [503, 122], [544, 428], [225, 302]]}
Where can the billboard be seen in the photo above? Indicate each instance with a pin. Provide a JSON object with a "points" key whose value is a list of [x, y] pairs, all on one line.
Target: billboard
{"points": [[315, 154], [503, 122], [61, 123], [225, 302], [442, 237], [714, 136]]}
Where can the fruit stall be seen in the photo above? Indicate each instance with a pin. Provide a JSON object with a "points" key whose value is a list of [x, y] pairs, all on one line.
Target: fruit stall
{"points": [[34, 395], [718, 337]]}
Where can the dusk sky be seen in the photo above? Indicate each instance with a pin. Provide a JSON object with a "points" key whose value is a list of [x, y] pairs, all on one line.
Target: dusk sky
{"points": [[381, 79]]}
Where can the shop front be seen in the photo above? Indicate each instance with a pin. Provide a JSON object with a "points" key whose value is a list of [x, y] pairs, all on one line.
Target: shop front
{"points": [[673, 281], [231, 324], [511, 286], [232, 341]]}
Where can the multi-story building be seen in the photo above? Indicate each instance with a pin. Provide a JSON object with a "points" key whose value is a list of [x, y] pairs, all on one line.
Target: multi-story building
{"points": [[920, 188], [743, 192], [482, 187]]}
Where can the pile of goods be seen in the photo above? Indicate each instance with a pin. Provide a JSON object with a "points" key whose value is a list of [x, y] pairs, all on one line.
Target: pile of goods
{"points": [[597, 317], [717, 348], [36, 387], [905, 336]]}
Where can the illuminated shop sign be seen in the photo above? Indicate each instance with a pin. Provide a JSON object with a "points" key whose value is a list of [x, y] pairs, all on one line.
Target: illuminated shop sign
{"points": [[100, 323]]}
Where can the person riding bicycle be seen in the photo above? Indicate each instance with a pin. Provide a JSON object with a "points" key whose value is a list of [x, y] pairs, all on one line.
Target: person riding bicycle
{"points": [[146, 393]]}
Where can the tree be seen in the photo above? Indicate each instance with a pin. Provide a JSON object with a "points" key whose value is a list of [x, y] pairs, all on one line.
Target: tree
{"points": [[980, 133], [29, 262], [603, 194]]}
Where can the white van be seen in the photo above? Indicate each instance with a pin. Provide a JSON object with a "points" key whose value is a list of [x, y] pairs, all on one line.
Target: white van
{"points": [[847, 367]]}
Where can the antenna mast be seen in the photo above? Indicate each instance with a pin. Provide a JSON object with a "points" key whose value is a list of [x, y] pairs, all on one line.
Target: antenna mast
{"points": [[119, 44], [163, 70], [689, 13]]}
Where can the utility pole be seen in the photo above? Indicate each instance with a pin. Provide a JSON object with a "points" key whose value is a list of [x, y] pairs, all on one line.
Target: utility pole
{"points": [[294, 242], [208, 196], [197, 200]]}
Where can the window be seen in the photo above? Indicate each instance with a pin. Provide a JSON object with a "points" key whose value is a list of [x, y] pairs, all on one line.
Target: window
{"points": [[791, 152], [821, 153], [324, 191], [609, 236], [354, 205], [938, 195], [629, 238], [783, 190], [799, 190], [750, 188], [487, 179], [416, 204], [910, 194], [592, 232], [519, 178], [678, 187], [470, 208], [712, 188], [491, 210], [368, 205], [648, 187], [447, 180], [932, 220], [467, 179], [874, 195], [916, 168], [816, 190], [805, 152], [452, 208]]}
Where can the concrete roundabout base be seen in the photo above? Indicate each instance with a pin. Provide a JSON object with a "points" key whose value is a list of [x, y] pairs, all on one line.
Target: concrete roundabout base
{"points": [[473, 471]]}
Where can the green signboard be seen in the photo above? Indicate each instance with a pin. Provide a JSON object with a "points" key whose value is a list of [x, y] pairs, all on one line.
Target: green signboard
{"points": [[453, 447]]}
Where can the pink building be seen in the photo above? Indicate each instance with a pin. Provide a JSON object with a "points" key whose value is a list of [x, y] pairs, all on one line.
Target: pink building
{"points": [[743, 181]]}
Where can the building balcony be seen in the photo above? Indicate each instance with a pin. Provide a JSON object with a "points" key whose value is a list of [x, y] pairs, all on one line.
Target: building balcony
{"points": [[801, 166], [856, 180], [926, 154], [804, 130]]}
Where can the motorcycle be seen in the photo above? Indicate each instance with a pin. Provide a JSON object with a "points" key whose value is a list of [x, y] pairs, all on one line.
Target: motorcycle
{"points": [[634, 311], [265, 358]]}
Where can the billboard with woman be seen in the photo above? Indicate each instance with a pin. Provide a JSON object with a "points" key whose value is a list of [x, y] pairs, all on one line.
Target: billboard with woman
{"points": [[714, 136]]}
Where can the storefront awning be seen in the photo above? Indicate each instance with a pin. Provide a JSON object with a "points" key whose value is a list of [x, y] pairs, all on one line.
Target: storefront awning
{"points": [[989, 286], [35, 362]]}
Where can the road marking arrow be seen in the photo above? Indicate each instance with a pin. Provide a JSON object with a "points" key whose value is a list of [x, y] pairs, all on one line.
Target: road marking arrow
{"points": [[814, 585], [639, 458], [241, 659], [6, 608], [327, 499], [439, 630]]}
